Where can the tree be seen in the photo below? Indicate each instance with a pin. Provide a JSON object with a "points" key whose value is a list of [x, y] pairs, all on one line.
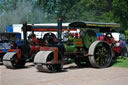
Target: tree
{"points": [[63, 8], [120, 9], [40, 11]]}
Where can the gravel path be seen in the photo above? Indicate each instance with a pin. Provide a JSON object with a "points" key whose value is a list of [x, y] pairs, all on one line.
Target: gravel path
{"points": [[71, 76]]}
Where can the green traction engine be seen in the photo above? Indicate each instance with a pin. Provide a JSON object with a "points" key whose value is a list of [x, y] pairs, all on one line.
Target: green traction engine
{"points": [[82, 47]]}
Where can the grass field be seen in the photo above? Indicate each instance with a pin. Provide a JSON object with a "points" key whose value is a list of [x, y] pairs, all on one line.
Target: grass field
{"points": [[121, 63]]}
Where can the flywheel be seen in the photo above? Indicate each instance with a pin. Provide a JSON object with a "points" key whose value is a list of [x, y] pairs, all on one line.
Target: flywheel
{"points": [[89, 38], [101, 54]]}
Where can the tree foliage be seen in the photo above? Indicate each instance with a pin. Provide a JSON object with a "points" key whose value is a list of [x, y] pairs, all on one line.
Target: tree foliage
{"points": [[121, 11], [70, 10]]}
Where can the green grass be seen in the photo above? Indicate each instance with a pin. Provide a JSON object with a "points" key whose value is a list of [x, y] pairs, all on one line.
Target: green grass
{"points": [[121, 63]]}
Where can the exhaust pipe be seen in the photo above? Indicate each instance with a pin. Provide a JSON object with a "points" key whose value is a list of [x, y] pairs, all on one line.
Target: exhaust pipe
{"points": [[25, 32], [59, 29]]}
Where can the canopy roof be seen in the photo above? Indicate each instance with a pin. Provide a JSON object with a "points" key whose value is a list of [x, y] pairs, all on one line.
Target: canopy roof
{"points": [[84, 24], [47, 28], [73, 26]]}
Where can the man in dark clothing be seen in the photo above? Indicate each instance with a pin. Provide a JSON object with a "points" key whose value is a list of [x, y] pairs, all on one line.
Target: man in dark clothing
{"points": [[123, 49]]}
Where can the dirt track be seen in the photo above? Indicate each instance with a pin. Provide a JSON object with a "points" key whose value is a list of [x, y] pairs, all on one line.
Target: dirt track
{"points": [[71, 76]]}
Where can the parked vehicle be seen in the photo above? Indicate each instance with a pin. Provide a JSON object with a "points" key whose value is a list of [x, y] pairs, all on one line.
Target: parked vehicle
{"points": [[8, 40]]}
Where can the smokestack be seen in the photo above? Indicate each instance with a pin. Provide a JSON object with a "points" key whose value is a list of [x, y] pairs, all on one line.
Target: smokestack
{"points": [[25, 32], [59, 29]]}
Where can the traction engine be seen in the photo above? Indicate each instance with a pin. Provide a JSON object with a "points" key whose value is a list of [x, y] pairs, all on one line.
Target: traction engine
{"points": [[84, 49]]}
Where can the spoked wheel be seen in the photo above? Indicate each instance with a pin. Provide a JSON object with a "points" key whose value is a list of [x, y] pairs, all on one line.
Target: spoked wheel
{"points": [[41, 62], [101, 54], [10, 60]]}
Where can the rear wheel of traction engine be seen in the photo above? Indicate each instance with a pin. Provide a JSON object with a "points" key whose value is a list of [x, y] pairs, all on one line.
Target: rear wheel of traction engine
{"points": [[101, 54], [10, 60], [41, 62]]}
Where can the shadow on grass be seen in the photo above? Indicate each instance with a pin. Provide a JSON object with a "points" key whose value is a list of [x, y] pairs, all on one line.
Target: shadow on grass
{"points": [[116, 62], [121, 62]]}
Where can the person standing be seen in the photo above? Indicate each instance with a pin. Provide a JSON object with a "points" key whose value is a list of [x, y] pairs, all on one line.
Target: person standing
{"points": [[123, 47], [126, 36]]}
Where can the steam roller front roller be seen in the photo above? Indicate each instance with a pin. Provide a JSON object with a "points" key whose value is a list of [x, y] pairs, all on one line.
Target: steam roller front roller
{"points": [[41, 62], [101, 54], [10, 60]]}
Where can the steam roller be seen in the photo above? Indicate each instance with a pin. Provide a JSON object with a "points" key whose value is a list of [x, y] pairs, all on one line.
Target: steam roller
{"points": [[44, 62], [10, 60]]}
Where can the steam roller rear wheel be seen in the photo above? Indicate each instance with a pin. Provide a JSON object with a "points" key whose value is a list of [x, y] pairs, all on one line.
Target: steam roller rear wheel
{"points": [[41, 59], [101, 54], [10, 60]]}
